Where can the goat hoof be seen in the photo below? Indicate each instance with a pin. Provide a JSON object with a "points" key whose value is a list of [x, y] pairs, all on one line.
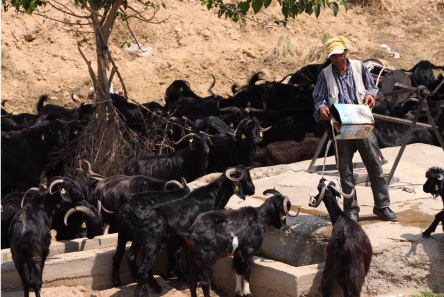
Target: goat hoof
{"points": [[426, 234], [117, 284], [248, 295], [238, 295]]}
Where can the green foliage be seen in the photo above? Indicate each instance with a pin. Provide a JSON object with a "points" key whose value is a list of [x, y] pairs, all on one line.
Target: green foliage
{"points": [[428, 294], [289, 8]]}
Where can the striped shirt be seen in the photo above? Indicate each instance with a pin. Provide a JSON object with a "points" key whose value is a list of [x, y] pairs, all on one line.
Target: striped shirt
{"points": [[346, 86]]}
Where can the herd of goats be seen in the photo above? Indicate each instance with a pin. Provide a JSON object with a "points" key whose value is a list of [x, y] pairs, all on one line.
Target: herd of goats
{"points": [[152, 206]]}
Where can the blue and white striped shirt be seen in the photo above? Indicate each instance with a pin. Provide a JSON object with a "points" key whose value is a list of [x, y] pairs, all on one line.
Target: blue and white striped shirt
{"points": [[346, 86]]}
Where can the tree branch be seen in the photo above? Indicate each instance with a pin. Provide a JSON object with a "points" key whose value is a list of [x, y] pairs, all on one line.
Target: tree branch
{"points": [[105, 14], [69, 12], [47, 17], [107, 27]]}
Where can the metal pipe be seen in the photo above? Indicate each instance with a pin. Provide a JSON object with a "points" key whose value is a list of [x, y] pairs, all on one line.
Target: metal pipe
{"points": [[401, 121], [406, 139], [316, 155], [434, 127]]}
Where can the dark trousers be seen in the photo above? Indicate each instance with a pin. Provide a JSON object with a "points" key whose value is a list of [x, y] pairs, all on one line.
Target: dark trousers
{"points": [[369, 151]]}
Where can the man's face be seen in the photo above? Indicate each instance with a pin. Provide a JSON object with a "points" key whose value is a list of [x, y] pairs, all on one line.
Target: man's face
{"points": [[339, 60]]}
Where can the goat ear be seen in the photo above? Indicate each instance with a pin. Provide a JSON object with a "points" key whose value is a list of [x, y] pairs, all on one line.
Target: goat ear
{"points": [[192, 146], [238, 191], [63, 192]]}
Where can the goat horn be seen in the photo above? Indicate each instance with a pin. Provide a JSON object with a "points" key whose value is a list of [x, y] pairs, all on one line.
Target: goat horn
{"points": [[316, 203], [438, 103], [23, 199], [348, 196], [207, 135], [286, 210], [172, 182], [184, 181], [57, 181], [188, 120], [3, 102], [212, 85], [40, 124], [229, 108], [272, 191], [91, 173], [265, 129], [439, 177], [69, 122], [74, 99], [188, 135], [250, 109], [83, 209], [230, 171], [102, 207], [237, 128]]}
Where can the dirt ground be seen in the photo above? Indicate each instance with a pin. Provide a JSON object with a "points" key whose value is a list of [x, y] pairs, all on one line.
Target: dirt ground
{"points": [[193, 44]]}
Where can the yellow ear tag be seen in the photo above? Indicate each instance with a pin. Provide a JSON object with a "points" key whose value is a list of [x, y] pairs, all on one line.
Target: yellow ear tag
{"points": [[191, 140], [171, 132], [75, 132], [191, 128], [63, 191], [43, 137], [436, 188], [236, 189], [83, 226], [181, 89], [260, 134], [249, 104], [208, 137], [283, 218], [243, 136], [314, 201], [231, 125]]}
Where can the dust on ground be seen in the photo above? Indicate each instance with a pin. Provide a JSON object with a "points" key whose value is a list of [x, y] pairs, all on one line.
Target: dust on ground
{"points": [[193, 44]]}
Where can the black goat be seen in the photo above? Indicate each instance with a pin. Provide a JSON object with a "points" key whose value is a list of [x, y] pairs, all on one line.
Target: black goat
{"points": [[84, 220], [13, 202], [30, 233], [127, 211], [349, 251], [435, 186], [423, 73], [308, 73], [24, 154], [287, 152], [84, 112], [181, 88], [108, 190], [132, 113], [162, 221], [238, 233], [189, 163], [236, 148]]}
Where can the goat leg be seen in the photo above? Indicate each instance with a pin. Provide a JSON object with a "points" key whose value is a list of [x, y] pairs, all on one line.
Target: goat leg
{"points": [[117, 259], [131, 258], [438, 218], [21, 270]]}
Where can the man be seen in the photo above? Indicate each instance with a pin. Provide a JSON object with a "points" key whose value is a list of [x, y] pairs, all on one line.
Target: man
{"points": [[349, 82]]}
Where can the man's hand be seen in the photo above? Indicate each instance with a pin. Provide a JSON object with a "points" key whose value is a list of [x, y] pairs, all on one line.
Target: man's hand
{"points": [[369, 100], [325, 114]]}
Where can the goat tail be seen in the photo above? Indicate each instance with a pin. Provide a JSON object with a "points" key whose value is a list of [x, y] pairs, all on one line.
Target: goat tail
{"points": [[42, 100]]}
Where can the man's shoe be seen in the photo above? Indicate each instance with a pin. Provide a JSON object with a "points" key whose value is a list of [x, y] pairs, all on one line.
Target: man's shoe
{"points": [[353, 216], [385, 213]]}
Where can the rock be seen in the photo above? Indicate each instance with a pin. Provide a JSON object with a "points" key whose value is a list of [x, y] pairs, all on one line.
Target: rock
{"points": [[30, 34], [250, 54], [81, 288]]}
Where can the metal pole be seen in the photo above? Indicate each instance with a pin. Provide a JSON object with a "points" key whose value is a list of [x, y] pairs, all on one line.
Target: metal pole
{"points": [[426, 109], [406, 139], [318, 151]]}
